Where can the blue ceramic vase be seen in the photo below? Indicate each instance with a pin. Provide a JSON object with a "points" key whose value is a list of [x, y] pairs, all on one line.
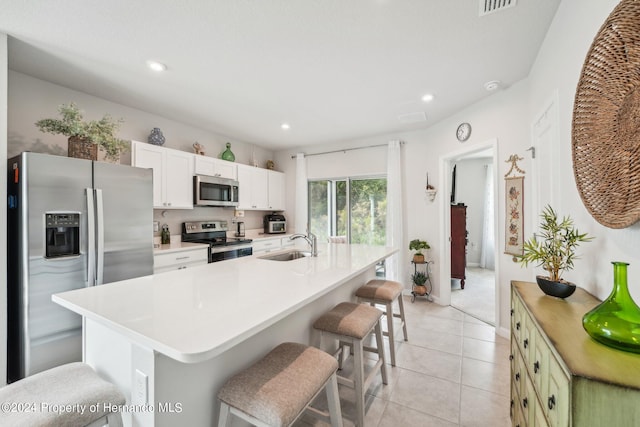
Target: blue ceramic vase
{"points": [[156, 137]]}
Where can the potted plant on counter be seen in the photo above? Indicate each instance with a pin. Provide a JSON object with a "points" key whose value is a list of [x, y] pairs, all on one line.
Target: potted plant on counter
{"points": [[554, 250], [86, 137], [418, 245]]}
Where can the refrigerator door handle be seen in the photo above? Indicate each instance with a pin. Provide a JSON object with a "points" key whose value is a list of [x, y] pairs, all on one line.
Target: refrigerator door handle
{"points": [[100, 237], [91, 238]]}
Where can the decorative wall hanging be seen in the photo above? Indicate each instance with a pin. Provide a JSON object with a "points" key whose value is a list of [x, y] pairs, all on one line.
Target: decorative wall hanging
{"points": [[430, 190], [606, 121], [514, 194]]}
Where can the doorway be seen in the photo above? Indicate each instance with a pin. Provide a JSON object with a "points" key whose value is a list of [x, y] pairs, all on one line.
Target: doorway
{"points": [[476, 179]]}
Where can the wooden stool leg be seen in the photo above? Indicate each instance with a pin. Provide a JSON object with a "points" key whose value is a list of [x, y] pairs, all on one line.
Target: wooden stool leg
{"points": [[404, 322], [333, 399], [358, 368], [223, 418], [390, 333], [380, 344]]}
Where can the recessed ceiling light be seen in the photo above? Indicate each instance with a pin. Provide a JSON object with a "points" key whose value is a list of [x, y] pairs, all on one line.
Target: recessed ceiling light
{"points": [[156, 66], [428, 97], [492, 85], [285, 126]]}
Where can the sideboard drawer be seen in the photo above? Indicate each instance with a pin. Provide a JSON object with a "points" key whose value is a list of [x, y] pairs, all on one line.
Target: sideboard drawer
{"points": [[556, 400], [567, 378]]}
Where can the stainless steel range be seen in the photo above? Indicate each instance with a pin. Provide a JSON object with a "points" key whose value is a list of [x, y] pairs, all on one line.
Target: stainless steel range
{"points": [[214, 233]]}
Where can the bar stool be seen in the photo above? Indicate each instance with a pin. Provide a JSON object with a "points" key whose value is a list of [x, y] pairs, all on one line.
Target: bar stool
{"points": [[277, 389], [351, 324], [67, 395], [385, 292]]}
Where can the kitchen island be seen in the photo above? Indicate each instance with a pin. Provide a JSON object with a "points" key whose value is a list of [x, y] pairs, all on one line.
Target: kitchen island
{"points": [[169, 341]]}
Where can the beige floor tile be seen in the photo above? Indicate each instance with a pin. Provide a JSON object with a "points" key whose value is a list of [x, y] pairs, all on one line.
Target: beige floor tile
{"points": [[494, 352], [482, 332], [471, 319], [438, 324], [486, 376], [435, 340], [397, 415], [430, 362], [480, 408], [453, 371], [424, 393]]}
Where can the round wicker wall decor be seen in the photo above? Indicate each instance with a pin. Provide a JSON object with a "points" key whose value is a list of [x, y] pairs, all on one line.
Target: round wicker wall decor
{"points": [[606, 121]]}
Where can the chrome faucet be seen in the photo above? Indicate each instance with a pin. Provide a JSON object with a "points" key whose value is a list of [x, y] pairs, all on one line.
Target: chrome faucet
{"points": [[311, 239]]}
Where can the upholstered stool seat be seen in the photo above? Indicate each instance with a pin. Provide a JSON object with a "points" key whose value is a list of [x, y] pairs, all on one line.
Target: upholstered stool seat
{"points": [[386, 292], [350, 324], [67, 395], [276, 390]]}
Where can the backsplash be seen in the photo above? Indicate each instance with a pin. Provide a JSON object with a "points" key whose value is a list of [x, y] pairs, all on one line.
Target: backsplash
{"points": [[175, 217]]}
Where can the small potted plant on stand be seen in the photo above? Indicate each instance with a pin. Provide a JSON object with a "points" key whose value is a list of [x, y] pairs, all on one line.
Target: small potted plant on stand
{"points": [[418, 245], [86, 137], [554, 251]]}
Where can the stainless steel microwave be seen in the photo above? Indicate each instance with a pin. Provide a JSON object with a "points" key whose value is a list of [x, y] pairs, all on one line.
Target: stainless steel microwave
{"points": [[214, 191]]}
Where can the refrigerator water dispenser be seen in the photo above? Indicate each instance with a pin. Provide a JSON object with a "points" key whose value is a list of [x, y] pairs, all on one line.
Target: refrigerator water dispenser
{"points": [[62, 235]]}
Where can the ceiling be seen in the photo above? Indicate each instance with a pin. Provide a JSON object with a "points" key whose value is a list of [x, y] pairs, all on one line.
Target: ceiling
{"points": [[335, 70]]}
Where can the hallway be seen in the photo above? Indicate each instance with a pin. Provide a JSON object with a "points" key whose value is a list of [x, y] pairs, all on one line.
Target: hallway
{"points": [[478, 297]]}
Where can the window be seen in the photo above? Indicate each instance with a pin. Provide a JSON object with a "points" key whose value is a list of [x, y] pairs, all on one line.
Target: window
{"points": [[351, 207]]}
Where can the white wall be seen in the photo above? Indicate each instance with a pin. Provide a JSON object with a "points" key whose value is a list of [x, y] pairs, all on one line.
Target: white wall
{"points": [[3, 208], [503, 116], [31, 99], [559, 65], [508, 116]]}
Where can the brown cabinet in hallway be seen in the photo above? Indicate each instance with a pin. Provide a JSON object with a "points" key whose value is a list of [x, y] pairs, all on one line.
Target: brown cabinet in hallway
{"points": [[458, 242]]}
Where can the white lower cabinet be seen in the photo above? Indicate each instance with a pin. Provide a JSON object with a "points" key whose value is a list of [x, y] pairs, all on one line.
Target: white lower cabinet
{"points": [[271, 244], [560, 377], [178, 260]]}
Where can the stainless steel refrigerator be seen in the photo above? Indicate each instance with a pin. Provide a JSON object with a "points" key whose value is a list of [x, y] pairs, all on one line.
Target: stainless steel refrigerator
{"points": [[72, 223]]}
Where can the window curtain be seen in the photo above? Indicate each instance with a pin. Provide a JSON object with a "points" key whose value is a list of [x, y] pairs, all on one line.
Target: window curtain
{"points": [[394, 265], [487, 254], [302, 189]]}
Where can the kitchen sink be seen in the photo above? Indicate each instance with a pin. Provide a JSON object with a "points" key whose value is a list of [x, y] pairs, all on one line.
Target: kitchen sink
{"points": [[287, 256]]}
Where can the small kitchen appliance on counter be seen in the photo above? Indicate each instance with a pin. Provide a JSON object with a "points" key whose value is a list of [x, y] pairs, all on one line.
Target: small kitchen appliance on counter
{"points": [[275, 224], [240, 229], [214, 233]]}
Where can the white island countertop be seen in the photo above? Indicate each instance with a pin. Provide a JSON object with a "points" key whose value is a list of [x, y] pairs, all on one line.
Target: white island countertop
{"points": [[195, 314]]}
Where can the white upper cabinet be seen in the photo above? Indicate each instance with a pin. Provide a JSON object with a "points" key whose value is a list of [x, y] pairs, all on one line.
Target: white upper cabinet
{"points": [[276, 191], [172, 174], [211, 166], [254, 188], [260, 189]]}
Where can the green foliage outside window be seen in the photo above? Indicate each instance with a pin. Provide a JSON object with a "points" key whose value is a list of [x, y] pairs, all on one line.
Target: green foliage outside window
{"points": [[367, 201]]}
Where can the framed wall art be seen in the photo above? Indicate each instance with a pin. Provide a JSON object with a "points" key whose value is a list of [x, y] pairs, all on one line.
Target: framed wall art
{"points": [[514, 194]]}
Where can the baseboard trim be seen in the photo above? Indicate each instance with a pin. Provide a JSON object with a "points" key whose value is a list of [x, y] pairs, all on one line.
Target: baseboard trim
{"points": [[503, 332]]}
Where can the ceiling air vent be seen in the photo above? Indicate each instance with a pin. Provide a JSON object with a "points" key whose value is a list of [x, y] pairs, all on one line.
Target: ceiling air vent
{"points": [[419, 116], [490, 6]]}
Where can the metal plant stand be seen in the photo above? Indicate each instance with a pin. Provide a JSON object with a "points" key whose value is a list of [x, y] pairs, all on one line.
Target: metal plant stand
{"points": [[416, 290]]}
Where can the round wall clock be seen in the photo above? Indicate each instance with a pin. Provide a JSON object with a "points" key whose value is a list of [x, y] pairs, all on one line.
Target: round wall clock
{"points": [[464, 132]]}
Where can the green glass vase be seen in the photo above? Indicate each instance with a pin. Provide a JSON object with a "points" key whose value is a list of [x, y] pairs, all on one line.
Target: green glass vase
{"points": [[616, 321], [228, 154]]}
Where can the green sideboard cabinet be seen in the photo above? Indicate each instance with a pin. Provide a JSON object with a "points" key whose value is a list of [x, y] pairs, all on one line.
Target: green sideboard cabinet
{"points": [[561, 377]]}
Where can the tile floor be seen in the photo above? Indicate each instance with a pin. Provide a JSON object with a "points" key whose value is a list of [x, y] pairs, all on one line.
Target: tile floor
{"points": [[478, 298], [453, 371]]}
